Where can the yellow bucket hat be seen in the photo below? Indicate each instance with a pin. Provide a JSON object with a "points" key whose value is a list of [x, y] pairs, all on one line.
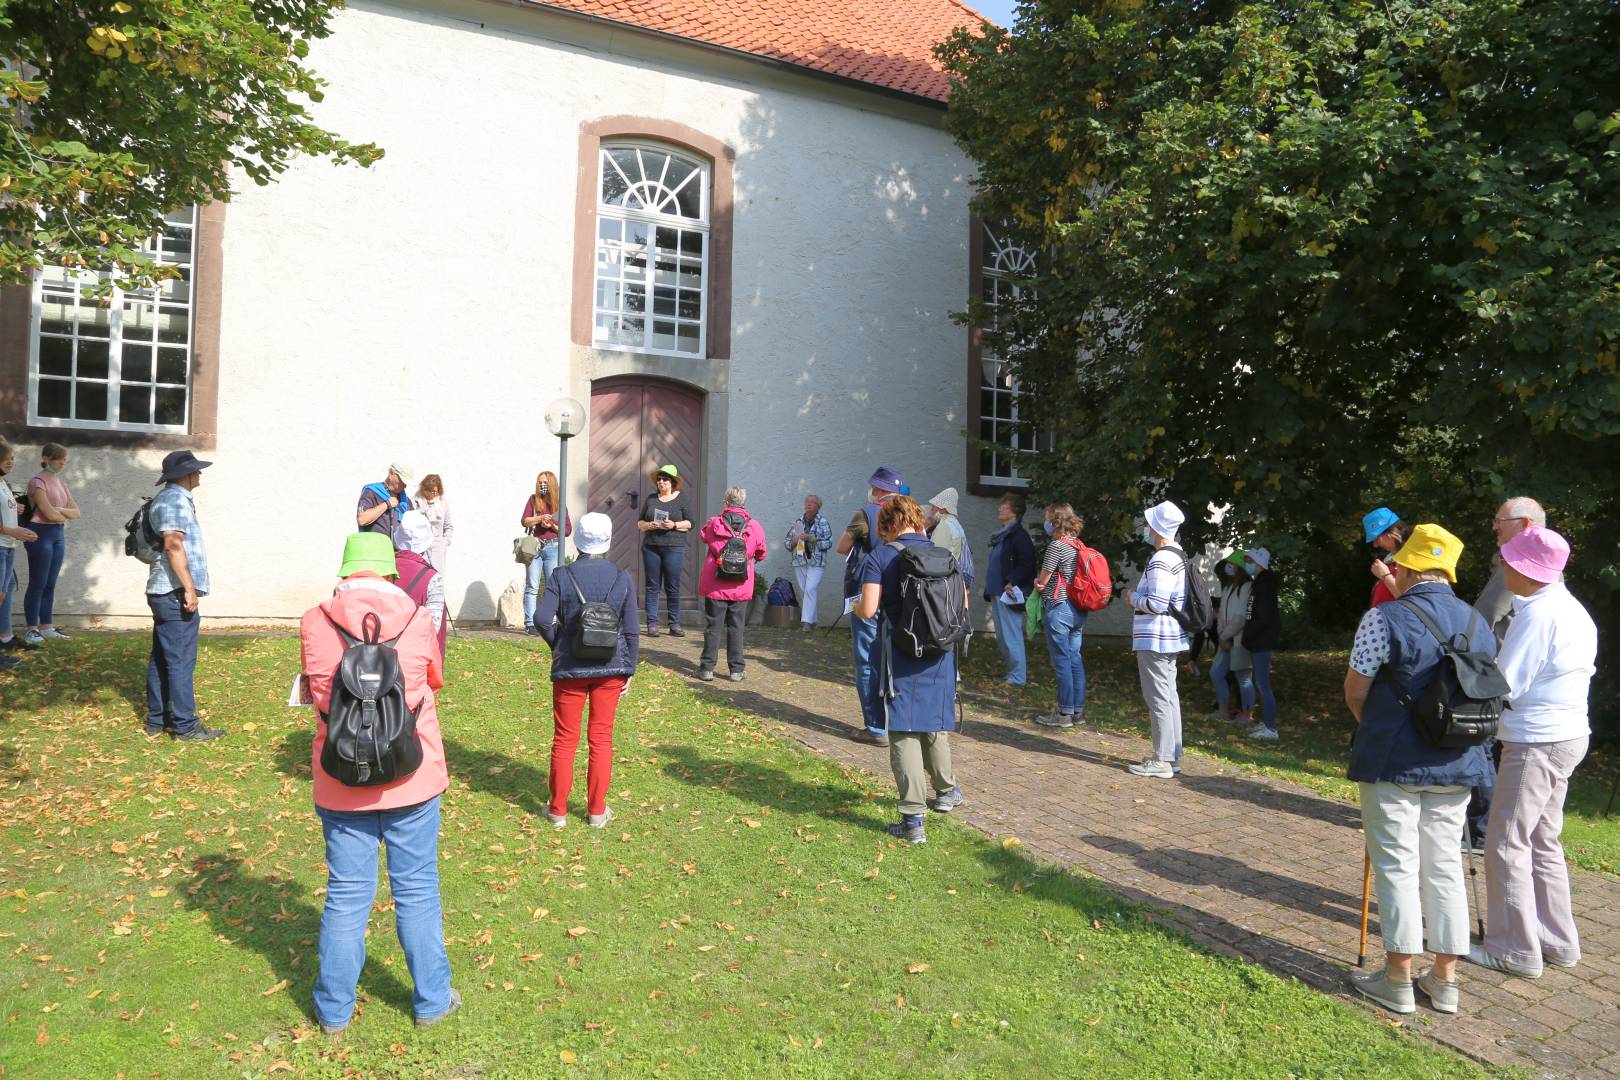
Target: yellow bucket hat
{"points": [[1431, 548], [368, 551]]}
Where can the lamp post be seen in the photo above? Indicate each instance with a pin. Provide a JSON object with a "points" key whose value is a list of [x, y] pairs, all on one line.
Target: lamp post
{"points": [[566, 418]]}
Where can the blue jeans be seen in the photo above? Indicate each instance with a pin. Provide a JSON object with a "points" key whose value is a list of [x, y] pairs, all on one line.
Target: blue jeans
{"points": [[863, 637], [1245, 679], [1065, 625], [540, 568], [662, 567], [1010, 640], [412, 837], [8, 586], [44, 565], [169, 697], [1262, 683]]}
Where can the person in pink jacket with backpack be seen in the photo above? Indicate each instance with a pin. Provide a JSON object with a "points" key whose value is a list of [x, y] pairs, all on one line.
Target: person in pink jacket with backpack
{"points": [[402, 813], [734, 543]]}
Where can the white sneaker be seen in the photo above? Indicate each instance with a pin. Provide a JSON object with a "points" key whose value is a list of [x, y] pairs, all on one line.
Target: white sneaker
{"points": [[33, 637], [53, 632], [558, 821], [599, 821], [1263, 733], [1153, 767]]}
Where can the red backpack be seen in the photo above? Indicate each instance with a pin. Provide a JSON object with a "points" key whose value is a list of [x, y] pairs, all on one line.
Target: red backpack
{"points": [[1092, 587]]}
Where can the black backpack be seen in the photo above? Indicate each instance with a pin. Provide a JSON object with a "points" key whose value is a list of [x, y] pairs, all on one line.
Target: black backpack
{"points": [[1194, 613], [370, 730], [597, 627], [933, 601], [1462, 705], [141, 540], [733, 559]]}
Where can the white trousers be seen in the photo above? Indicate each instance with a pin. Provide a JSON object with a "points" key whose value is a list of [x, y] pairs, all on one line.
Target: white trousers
{"points": [[809, 579], [1414, 835]]}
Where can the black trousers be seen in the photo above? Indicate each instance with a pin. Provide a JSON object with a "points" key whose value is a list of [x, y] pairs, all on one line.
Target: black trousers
{"points": [[727, 615]]}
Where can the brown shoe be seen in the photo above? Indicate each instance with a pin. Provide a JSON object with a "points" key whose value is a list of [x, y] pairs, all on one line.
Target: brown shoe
{"points": [[870, 739]]}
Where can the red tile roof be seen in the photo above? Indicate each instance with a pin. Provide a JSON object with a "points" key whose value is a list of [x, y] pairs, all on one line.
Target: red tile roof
{"points": [[887, 43]]}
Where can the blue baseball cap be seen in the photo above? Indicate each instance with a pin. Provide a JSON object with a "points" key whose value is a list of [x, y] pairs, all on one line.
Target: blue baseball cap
{"points": [[1378, 522]]}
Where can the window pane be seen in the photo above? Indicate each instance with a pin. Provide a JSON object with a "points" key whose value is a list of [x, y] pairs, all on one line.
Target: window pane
{"points": [[92, 361], [90, 401], [176, 244], [140, 322], [55, 356], [56, 312], [691, 244], [174, 325], [607, 295], [687, 338], [691, 304], [135, 404], [663, 335], [177, 290], [137, 365], [609, 228], [94, 320], [54, 398], [663, 302], [632, 331], [691, 201], [171, 407], [171, 366], [635, 298]]}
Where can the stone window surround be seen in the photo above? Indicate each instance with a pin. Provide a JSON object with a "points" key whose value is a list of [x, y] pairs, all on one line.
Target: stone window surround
{"points": [[16, 333], [721, 158]]}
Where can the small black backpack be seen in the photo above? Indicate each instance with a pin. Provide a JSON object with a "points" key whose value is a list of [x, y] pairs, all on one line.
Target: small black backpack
{"points": [[1194, 613], [733, 560], [1462, 705], [933, 601], [370, 730], [597, 627], [141, 539]]}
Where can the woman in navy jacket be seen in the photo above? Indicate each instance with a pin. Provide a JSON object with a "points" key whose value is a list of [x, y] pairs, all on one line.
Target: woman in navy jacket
{"points": [[1414, 796], [575, 680], [1011, 566]]}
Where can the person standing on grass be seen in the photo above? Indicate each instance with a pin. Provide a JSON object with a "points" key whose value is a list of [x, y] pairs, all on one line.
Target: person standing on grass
{"points": [[1009, 579], [1262, 630], [1063, 624], [808, 540], [380, 504], [1548, 659], [600, 678], [1414, 796], [857, 541], [1386, 532], [1231, 658], [413, 540], [1158, 639], [402, 815], [174, 588], [431, 501], [12, 537], [53, 508], [726, 598], [919, 695], [665, 523]]}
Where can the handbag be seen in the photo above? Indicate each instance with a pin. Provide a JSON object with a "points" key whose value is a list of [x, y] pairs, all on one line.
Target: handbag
{"points": [[525, 549]]}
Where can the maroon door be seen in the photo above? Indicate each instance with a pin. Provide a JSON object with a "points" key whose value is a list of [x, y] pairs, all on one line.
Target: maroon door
{"points": [[638, 425]]}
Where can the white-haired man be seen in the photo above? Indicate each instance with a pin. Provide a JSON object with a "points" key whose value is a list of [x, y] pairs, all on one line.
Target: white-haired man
{"points": [[1512, 518]]}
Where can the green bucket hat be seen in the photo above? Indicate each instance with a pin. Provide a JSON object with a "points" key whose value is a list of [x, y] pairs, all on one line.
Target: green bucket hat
{"points": [[368, 551]]}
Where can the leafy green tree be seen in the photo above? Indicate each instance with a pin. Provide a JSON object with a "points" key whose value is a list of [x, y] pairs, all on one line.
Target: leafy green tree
{"points": [[114, 112], [1307, 258]]}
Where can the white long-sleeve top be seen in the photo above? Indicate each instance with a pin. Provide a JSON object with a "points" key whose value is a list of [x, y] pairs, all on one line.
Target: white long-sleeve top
{"points": [[1548, 657]]}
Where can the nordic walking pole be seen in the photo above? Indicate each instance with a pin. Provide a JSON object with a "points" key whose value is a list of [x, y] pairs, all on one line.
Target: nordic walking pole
{"points": [[1366, 900], [1473, 879]]}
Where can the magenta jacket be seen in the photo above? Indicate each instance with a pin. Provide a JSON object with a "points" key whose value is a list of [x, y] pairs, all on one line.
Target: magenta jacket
{"points": [[715, 534]]}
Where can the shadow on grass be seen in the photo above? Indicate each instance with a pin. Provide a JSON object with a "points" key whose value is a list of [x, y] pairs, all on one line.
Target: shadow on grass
{"points": [[257, 912], [766, 785]]}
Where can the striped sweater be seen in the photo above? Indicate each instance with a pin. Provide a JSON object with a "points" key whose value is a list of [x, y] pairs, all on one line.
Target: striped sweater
{"points": [[1163, 586]]}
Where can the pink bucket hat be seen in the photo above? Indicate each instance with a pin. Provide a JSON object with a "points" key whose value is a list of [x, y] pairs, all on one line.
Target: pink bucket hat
{"points": [[1538, 553]]}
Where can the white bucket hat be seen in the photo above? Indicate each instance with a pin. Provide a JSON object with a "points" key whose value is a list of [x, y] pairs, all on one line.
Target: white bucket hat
{"points": [[594, 535], [1165, 519], [413, 533], [946, 501], [1260, 556]]}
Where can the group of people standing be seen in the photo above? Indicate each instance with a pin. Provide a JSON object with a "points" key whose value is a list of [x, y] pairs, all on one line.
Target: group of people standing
{"points": [[39, 532]]}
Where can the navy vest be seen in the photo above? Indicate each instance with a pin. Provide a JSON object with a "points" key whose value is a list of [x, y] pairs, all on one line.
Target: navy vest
{"points": [[1387, 747]]}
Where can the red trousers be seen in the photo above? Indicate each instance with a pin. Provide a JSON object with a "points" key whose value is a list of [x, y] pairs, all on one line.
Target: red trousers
{"points": [[568, 697]]}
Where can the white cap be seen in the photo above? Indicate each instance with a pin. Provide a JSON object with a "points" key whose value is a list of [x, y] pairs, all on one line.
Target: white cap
{"points": [[413, 533], [594, 535], [1260, 556], [404, 473], [1165, 519]]}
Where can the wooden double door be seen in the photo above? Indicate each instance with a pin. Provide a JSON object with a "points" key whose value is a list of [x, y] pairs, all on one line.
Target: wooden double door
{"points": [[638, 425]]}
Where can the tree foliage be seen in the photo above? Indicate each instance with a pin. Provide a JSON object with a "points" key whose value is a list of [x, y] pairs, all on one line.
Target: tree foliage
{"points": [[1314, 257], [115, 112]]}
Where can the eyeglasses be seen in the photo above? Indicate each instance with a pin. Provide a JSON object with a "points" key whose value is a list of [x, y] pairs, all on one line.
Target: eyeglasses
{"points": [[1504, 521]]}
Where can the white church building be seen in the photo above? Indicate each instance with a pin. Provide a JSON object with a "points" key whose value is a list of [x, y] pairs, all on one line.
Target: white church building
{"points": [[736, 230]]}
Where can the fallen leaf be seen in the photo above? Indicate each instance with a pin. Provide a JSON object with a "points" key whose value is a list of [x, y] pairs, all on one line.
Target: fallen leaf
{"points": [[917, 968], [750, 822], [870, 874], [280, 1065], [567, 1057], [578, 931], [155, 893], [281, 984], [1012, 842]]}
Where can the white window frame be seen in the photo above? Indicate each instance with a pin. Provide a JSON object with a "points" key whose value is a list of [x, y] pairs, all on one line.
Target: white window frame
{"points": [[1001, 263], [115, 343], [704, 178]]}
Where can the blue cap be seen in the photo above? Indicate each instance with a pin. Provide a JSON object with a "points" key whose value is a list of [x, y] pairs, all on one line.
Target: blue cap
{"points": [[1378, 522], [887, 479]]}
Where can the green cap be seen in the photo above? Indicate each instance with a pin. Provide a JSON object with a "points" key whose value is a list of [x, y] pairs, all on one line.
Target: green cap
{"points": [[667, 470], [368, 551]]}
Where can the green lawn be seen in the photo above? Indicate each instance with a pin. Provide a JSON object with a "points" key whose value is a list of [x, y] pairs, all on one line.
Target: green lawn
{"points": [[159, 905], [1312, 718]]}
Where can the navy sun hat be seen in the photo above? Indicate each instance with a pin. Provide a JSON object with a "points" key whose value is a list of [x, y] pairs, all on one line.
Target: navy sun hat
{"points": [[181, 463], [887, 479]]}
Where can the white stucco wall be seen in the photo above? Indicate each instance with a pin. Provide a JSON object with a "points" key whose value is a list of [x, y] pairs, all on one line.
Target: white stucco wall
{"points": [[419, 310]]}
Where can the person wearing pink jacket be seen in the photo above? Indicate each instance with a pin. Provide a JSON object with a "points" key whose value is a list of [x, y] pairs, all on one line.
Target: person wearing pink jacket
{"points": [[403, 815], [725, 598]]}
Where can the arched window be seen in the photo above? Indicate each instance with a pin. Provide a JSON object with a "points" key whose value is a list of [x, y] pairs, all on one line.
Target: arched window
{"points": [[1002, 263], [652, 250]]}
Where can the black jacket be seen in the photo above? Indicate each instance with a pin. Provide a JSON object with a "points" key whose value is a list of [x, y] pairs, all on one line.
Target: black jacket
{"points": [[1264, 629], [600, 581]]}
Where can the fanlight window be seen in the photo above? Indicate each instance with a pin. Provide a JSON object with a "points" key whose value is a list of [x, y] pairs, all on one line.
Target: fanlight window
{"points": [[652, 251]]}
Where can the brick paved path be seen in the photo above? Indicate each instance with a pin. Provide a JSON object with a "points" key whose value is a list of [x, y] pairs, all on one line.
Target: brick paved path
{"points": [[1262, 869]]}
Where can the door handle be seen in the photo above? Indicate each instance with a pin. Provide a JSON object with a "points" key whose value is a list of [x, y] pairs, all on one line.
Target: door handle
{"points": [[635, 496], [610, 502]]}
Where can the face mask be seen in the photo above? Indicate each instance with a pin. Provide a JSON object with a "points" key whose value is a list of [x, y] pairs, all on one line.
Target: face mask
{"points": [[545, 489], [1048, 528], [1147, 534], [1252, 568], [55, 470]]}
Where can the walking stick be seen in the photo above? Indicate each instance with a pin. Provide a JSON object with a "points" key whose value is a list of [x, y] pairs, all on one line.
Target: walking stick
{"points": [[1366, 900], [1473, 879]]}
